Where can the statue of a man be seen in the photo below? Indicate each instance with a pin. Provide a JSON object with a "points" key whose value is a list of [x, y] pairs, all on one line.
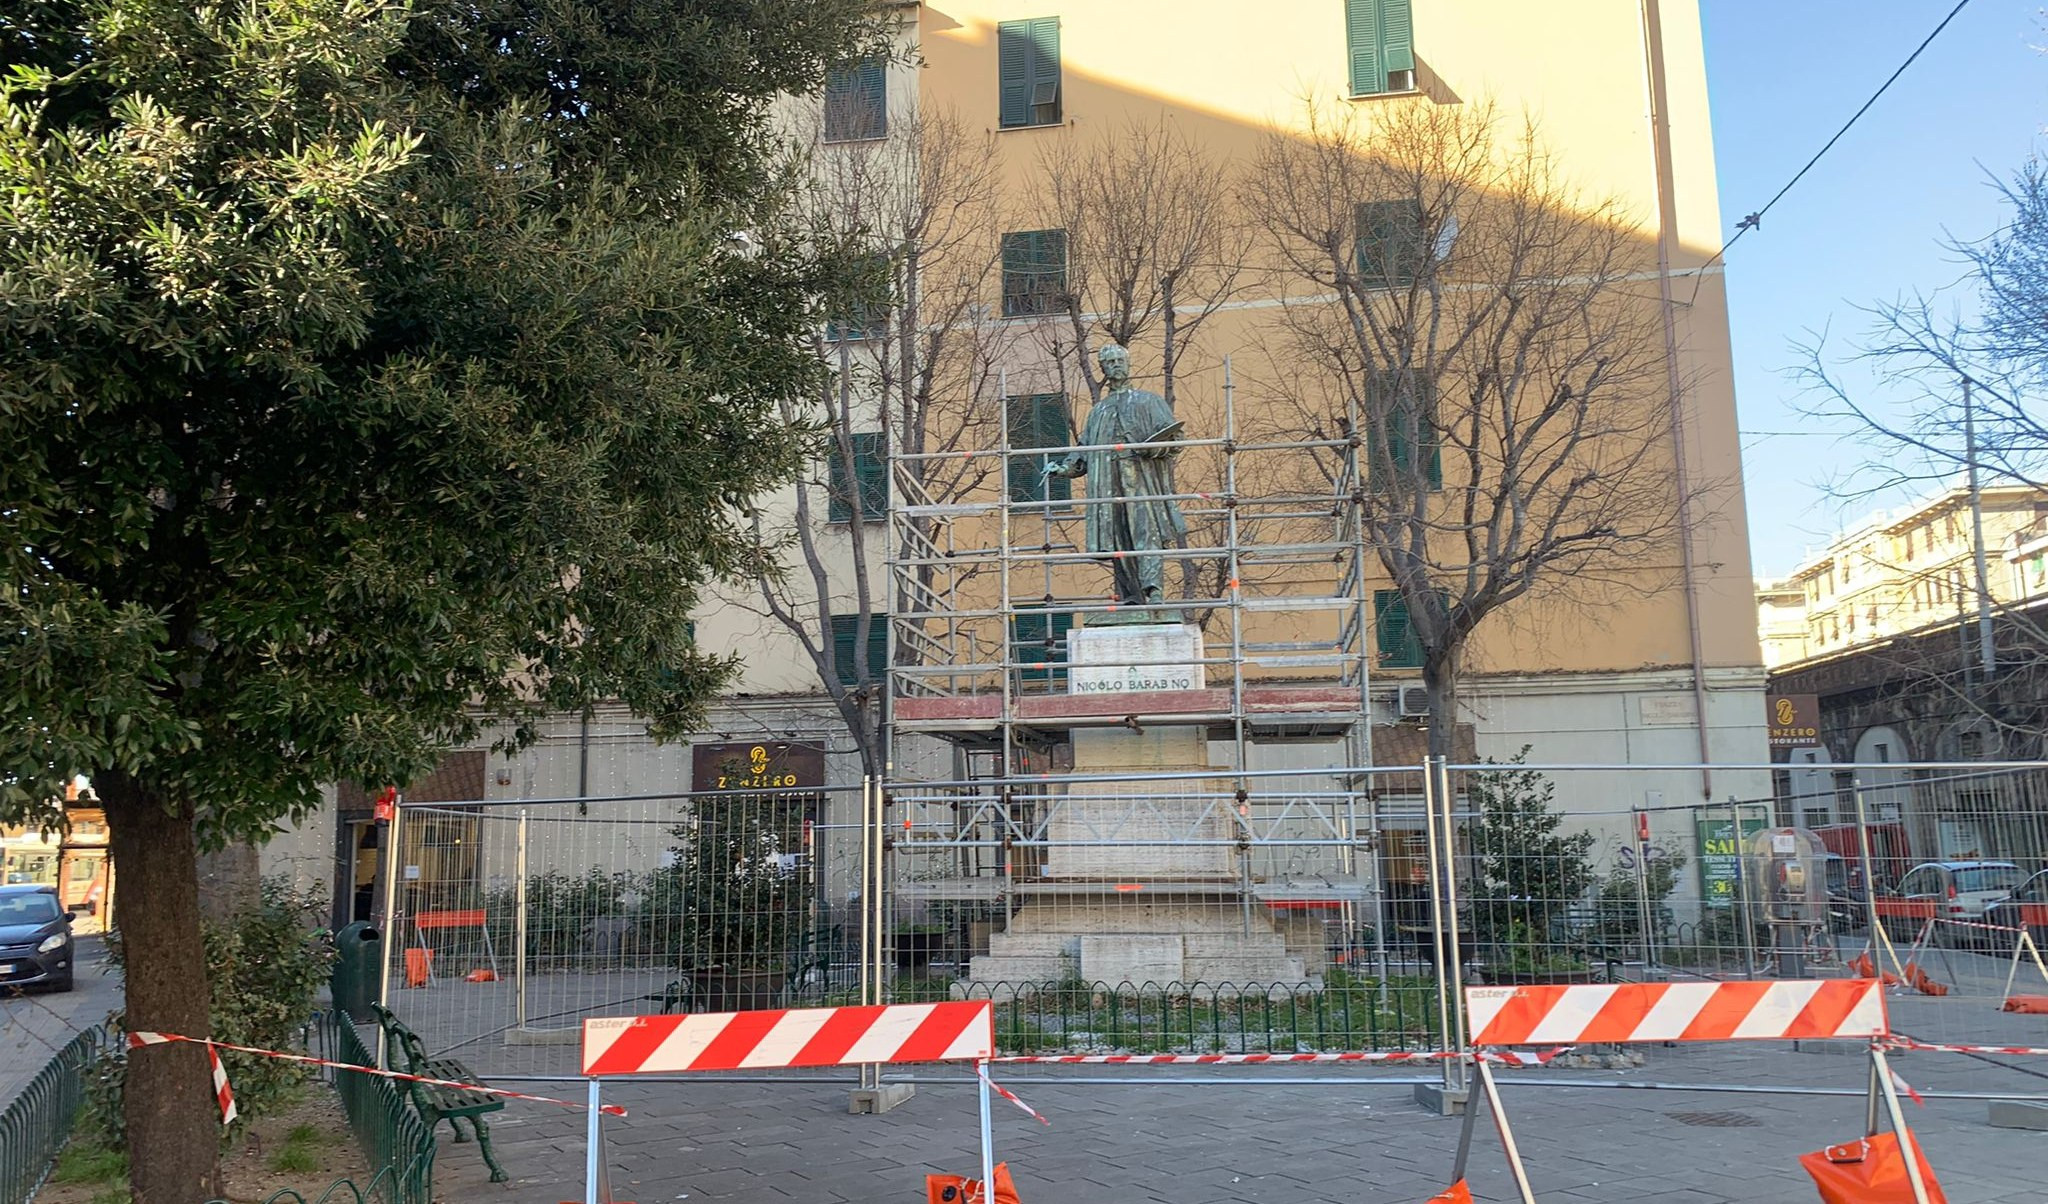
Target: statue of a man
{"points": [[1143, 519]]}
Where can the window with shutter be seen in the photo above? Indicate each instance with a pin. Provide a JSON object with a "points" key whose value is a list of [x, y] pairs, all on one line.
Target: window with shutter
{"points": [[1407, 430], [845, 641], [1380, 36], [1039, 637], [1393, 633], [857, 101], [1028, 73], [1034, 272], [870, 475], [1389, 242], [1038, 420]]}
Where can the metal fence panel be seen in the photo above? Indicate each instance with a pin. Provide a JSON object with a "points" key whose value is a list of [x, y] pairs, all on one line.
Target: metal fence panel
{"points": [[35, 1125]]}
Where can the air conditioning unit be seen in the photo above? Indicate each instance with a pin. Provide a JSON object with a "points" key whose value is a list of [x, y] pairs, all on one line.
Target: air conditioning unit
{"points": [[1412, 702]]}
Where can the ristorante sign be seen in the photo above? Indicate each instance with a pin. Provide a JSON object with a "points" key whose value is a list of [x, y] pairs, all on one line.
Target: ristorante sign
{"points": [[1794, 720]]}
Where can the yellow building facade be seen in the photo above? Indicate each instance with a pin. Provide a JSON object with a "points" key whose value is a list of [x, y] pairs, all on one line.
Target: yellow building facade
{"points": [[1590, 670], [1907, 570]]}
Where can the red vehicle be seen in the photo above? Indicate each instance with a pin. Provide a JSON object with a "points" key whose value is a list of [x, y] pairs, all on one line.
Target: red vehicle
{"points": [[1891, 853]]}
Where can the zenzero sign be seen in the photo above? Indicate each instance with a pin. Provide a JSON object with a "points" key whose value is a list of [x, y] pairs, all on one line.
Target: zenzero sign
{"points": [[1794, 720]]}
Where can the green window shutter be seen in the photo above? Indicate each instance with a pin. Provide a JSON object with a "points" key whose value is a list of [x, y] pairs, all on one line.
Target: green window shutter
{"points": [[1034, 272], [870, 475], [1380, 36], [1393, 633], [845, 639], [1362, 39], [1039, 637], [857, 100], [1397, 36], [1400, 441], [1028, 73], [1389, 237], [1039, 420]]}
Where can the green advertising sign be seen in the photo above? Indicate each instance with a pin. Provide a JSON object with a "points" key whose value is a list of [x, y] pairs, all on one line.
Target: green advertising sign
{"points": [[1720, 858]]}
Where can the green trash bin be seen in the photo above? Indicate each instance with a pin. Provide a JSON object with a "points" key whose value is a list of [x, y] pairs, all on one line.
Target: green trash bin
{"points": [[357, 968]]}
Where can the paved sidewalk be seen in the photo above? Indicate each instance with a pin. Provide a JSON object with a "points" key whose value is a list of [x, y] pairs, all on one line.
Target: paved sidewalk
{"points": [[1223, 1141], [36, 1024]]}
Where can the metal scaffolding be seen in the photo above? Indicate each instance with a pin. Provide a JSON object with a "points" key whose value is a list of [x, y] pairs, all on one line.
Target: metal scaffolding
{"points": [[965, 570]]}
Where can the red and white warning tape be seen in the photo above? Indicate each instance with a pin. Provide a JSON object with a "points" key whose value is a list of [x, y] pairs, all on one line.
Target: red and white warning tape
{"points": [[1007, 1094], [221, 1091], [1499, 1057], [138, 1040], [1898, 1042]]}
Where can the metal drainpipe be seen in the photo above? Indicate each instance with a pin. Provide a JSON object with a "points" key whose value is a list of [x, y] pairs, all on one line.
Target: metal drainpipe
{"points": [[1667, 218]]}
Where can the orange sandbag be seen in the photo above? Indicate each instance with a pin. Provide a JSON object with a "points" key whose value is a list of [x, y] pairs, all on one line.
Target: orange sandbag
{"points": [[2032, 1005], [1922, 982], [1869, 1171], [419, 967], [481, 976], [957, 1189], [1861, 965], [1456, 1193]]}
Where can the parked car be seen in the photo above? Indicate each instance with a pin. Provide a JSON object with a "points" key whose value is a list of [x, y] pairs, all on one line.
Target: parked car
{"points": [[1947, 890], [35, 938], [2026, 907]]}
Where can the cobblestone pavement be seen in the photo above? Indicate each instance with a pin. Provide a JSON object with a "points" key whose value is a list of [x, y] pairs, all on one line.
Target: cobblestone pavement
{"points": [[1121, 1137]]}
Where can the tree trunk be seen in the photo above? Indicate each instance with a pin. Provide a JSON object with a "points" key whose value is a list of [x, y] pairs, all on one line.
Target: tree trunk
{"points": [[173, 1119], [1440, 679]]}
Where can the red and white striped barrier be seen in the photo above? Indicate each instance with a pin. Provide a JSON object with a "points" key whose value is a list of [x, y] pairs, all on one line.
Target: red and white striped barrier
{"points": [[138, 1040], [1498, 1057], [1677, 1011], [786, 1039], [789, 1038]]}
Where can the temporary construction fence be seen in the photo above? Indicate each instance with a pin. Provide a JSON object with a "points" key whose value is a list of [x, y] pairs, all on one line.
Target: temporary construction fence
{"points": [[1301, 905]]}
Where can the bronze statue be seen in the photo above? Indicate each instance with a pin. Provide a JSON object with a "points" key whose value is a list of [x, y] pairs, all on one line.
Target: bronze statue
{"points": [[1133, 530]]}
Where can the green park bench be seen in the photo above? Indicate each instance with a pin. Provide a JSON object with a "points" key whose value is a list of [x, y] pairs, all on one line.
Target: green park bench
{"points": [[404, 1052]]}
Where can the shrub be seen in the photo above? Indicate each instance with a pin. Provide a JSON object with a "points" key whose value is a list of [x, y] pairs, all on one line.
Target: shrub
{"points": [[1530, 874], [263, 968]]}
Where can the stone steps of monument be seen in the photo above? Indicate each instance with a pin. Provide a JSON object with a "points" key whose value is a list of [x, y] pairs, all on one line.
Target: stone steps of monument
{"points": [[1049, 917]]}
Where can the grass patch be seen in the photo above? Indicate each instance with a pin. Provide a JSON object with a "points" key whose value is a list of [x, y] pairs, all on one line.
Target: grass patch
{"points": [[306, 1134], [86, 1161], [295, 1158]]}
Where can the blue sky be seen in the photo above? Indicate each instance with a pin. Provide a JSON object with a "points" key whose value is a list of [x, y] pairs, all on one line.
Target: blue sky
{"points": [[1868, 222]]}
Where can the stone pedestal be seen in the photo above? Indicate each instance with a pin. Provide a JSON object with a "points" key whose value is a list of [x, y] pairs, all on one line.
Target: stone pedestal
{"points": [[1146, 873]]}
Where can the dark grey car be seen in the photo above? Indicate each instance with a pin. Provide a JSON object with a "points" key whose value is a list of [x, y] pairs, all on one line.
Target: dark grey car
{"points": [[36, 944]]}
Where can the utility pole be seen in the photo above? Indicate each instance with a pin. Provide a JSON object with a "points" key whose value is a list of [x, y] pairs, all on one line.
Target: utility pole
{"points": [[1987, 657]]}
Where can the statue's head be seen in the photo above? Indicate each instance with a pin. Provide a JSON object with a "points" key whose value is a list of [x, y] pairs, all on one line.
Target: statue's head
{"points": [[1116, 363]]}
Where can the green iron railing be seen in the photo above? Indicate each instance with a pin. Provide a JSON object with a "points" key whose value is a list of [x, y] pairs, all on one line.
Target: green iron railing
{"points": [[394, 1140], [35, 1124], [391, 1134]]}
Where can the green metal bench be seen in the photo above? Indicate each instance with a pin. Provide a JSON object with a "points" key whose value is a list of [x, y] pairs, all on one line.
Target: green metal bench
{"points": [[403, 1051]]}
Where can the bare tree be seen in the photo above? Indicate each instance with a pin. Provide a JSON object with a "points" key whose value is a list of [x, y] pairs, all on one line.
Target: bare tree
{"points": [[1152, 240], [1466, 316], [1990, 328], [911, 355], [1947, 381]]}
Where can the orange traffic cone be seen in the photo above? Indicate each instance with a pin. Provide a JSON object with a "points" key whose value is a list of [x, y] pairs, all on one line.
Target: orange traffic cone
{"points": [[956, 1189]]}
